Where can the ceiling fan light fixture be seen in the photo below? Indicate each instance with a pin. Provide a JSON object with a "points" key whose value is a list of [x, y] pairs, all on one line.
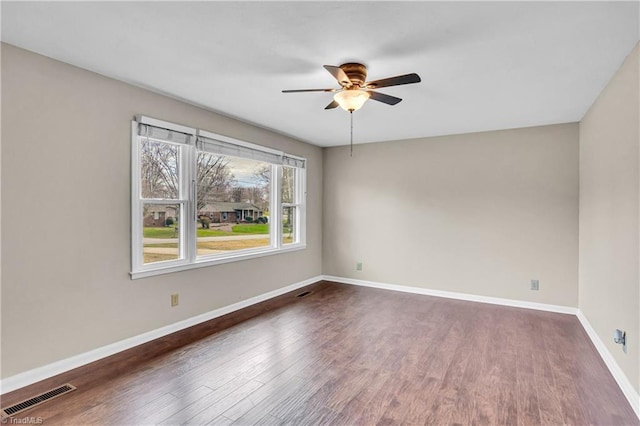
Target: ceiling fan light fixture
{"points": [[351, 100]]}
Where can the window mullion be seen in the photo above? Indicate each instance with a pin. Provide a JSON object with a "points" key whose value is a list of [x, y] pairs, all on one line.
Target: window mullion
{"points": [[189, 187], [136, 203], [276, 209], [301, 205]]}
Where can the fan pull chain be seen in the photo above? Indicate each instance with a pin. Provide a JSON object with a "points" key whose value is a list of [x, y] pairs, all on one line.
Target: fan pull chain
{"points": [[351, 114]]}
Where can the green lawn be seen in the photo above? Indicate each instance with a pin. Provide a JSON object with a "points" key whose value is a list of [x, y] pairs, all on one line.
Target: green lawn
{"points": [[164, 232], [251, 228], [243, 229]]}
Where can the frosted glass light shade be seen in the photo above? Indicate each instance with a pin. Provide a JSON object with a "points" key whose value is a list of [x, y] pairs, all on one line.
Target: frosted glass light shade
{"points": [[351, 100]]}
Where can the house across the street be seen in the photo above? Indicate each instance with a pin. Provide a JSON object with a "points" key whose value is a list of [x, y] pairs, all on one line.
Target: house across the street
{"points": [[226, 212], [218, 211], [157, 214]]}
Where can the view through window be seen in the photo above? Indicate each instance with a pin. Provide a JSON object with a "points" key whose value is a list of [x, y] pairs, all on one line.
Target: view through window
{"points": [[233, 204], [201, 202]]}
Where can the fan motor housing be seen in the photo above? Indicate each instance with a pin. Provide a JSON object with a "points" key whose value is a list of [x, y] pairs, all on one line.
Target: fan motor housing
{"points": [[357, 73]]}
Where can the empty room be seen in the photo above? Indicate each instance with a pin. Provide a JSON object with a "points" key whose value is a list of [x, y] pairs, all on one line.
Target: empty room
{"points": [[320, 213]]}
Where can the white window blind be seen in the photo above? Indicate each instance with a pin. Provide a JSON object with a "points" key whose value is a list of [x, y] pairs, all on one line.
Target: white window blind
{"points": [[293, 162], [205, 142], [168, 135], [215, 146], [225, 148]]}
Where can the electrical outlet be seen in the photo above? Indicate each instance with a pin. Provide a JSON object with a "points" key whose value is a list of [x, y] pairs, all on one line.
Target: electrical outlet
{"points": [[535, 284], [174, 299], [620, 337], [359, 266]]}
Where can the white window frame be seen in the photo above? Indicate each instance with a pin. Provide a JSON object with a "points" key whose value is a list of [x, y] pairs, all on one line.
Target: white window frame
{"points": [[298, 197], [187, 233]]}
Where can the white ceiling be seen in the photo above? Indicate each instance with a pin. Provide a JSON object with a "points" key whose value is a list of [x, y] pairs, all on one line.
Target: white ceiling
{"points": [[484, 65]]}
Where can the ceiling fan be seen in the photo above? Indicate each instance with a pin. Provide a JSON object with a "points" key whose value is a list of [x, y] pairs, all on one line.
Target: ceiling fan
{"points": [[354, 90]]}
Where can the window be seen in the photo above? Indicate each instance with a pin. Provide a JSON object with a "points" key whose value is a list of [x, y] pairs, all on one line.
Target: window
{"points": [[291, 198], [200, 199]]}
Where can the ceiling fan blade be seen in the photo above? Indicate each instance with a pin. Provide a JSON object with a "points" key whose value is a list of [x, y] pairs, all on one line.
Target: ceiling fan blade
{"points": [[309, 90], [393, 81], [332, 105], [385, 99], [339, 75]]}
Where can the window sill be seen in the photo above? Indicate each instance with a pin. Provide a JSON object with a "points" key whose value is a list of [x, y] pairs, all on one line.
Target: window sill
{"points": [[203, 263]]}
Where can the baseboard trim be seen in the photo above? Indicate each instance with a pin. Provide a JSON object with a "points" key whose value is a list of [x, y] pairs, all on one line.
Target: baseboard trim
{"points": [[459, 296], [623, 382], [621, 379], [41, 373]]}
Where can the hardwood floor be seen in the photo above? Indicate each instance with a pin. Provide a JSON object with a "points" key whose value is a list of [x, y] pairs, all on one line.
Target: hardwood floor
{"points": [[347, 355]]}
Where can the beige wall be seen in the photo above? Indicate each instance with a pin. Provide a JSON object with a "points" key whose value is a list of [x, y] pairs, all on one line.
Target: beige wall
{"points": [[609, 215], [66, 216], [479, 213]]}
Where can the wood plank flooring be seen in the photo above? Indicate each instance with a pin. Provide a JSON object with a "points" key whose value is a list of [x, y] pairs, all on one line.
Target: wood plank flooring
{"points": [[347, 355]]}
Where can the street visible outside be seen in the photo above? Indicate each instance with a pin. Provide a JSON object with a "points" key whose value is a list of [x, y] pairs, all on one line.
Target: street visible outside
{"points": [[161, 243]]}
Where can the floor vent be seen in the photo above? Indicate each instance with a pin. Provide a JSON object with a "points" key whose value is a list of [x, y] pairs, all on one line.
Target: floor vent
{"points": [[306, 293], [36, 400]]}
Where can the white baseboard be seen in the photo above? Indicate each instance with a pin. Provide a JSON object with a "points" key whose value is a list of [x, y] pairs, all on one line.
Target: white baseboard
{"points": [[32, 376], [459, 296], [37, 374], [623, 382]]}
